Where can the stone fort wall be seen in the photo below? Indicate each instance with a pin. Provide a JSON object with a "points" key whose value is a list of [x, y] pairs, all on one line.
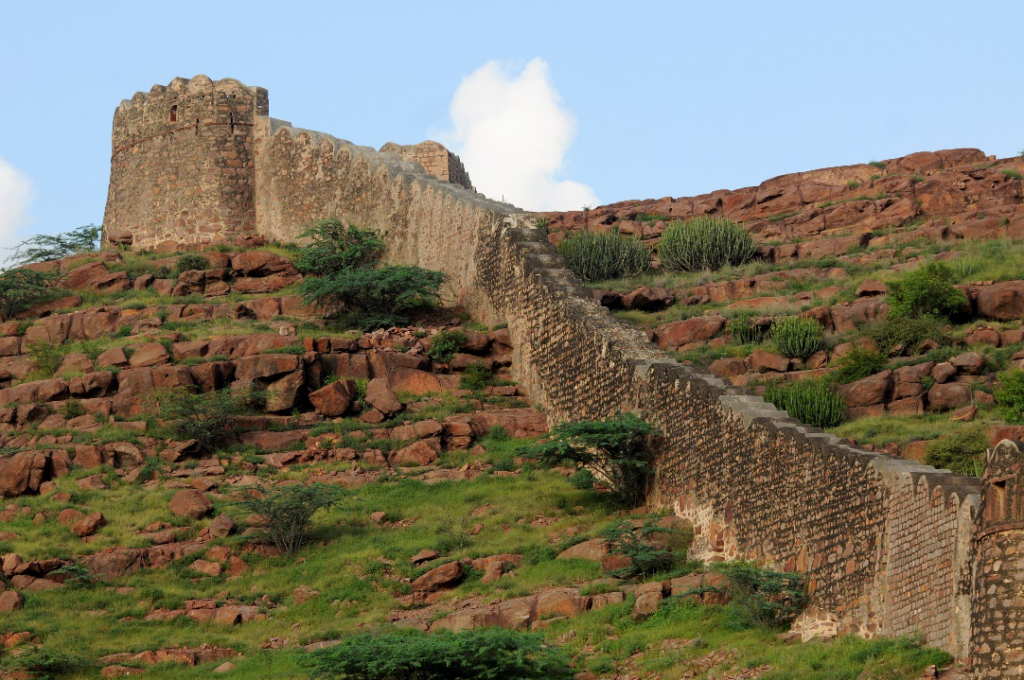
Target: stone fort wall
{"points": [[887, 544]]}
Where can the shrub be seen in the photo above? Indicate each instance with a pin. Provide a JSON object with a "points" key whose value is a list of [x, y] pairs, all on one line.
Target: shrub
{"points": [[814, 402], [207, 417], [961, 451], [287, 512], [902, 335], [335, 247], [1013, 174], [481, 654], [1009, 394], [797, 337], [594, 256], [376, 298], [926, 291], [43, 247], [744, 331], [615, 449], [46, 357], [643, 546], [190, 261], [582, 479], [856, 364], [705, 243], [44, 663], [22, 288], [445, 344], [763, 597], [476, 377]]}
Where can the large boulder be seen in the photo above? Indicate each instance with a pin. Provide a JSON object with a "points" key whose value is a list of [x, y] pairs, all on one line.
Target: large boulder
{"points": [[867, 391], [1003, 301], [261, 263], [445, 576], [190, 503], [697, 329], [334, 399]]}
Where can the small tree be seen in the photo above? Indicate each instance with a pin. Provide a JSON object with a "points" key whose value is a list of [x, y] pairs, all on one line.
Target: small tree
{"points": [[42, 247], [22, 288], [644, 546], [927, 291], [481, 654], [287, 512], [336, 247], [615, 449], [376, 298], [445, 344], [206, 417]]}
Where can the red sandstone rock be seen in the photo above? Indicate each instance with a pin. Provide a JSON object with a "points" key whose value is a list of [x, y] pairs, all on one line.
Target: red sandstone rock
{"points": [[971, 363], [190, 503], [871, 288], [1003, 301], [334, 399], [595, 550], [149, 354], [867, 391], [424, 555], [679, 333], [11, 601], [380, 396], [88, 525], [259, 263], [943, 397], [943, 372], [761, 361], [423, 452], [445, 576]]}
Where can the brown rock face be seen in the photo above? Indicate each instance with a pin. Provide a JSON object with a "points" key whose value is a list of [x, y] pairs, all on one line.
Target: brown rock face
{"points": [[947, 396], [595, 550], [23, 472], [259, 263], [88, 525], [1003, 301], [867, 391], [380, 396], [11, 601], [763, 362], [445, 576], [190, 503], [423, 452], [334, 399], [697, 329]]}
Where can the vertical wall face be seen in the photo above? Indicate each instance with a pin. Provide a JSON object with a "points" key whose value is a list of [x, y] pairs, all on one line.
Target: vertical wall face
{"points": [[435, 159], [182, 165]]}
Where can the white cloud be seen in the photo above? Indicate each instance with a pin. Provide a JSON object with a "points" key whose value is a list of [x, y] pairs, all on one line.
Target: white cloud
{"points": [[15, 196], [512, 133]]}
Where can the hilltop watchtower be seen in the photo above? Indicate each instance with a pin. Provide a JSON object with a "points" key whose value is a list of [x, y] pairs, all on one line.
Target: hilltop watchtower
{"points": [[182, 164]]}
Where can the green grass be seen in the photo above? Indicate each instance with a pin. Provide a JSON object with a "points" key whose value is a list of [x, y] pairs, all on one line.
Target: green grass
{"points": [[887, 428]]}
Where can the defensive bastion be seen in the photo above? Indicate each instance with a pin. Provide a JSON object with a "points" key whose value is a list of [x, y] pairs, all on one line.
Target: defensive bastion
{"points": [[890, 547]]}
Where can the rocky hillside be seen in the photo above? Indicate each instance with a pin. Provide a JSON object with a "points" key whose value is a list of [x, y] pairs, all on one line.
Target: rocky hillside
{"points": [[130, 546], [830, 243]]}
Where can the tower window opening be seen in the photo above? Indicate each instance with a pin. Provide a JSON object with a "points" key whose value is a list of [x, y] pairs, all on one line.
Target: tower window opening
{"points": [[174, 113], [197, 127], [231, 122]]}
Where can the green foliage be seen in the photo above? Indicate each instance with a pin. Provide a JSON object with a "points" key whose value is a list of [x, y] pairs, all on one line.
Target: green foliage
{"points": [[376, 298], [1013, 174], [926, 291], [961, 451], [482, 654], [287, 512], [797, 337], [497, 433], [853, 184], [22, 288], [856, 364], [189, 262], [1009, 394], [744, 331], [594, 256], [335, 247], [43, 247], [46, 357], [814, 402], [705, 243], [877, 164], [647, 554], [765, 598], [583, 479], [476, 377], [615, 449], [445, 344], [43, 662], [902, 335], [206, 417]]}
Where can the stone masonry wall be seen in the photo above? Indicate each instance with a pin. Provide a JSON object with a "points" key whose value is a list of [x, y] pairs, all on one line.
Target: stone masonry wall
{"points": [[885, 542], [435, 159], [181, 165]]}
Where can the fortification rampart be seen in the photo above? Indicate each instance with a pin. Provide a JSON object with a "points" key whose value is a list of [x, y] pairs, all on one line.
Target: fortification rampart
{"points": [[435, 159], [887, 544]]}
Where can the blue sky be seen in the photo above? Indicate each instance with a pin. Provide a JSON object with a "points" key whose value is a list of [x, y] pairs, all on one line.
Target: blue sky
{"points": [[639, 100]]}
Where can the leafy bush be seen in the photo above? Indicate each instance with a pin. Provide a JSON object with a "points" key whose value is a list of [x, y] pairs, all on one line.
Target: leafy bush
{"points": [[582, 479], [962, 451], [207, 417], [376, 298], [647, 554], [744, 331], [481, 654], [797, 337], [814, 402], [926, 291], [615, 449], [22, 288], [190, 261], [335, 247], [43, 247], [46, 357], [1009, 394], [902, 335], [287, 512], [705, 243], [476, 377], [594, 256], [856, 364], [445, 344], [765, 598], [44, 663]]}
